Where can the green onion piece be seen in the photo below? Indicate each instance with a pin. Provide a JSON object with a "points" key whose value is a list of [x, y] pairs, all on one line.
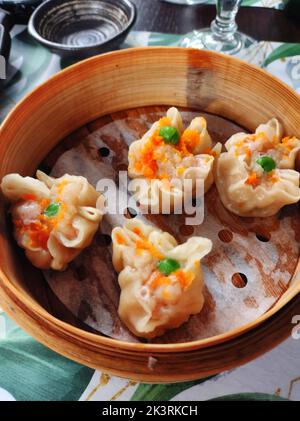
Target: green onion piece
{"points": [[170, 135], [168, 266], [267, 163], [52, 209]]}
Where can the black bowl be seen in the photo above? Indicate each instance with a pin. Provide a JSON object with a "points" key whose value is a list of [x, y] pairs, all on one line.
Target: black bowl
{"points": [[82, 28], [20, 9]]}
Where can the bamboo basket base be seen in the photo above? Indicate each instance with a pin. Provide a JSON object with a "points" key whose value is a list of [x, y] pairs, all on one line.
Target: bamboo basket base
{"points": [[250, 267], [124, 80]]}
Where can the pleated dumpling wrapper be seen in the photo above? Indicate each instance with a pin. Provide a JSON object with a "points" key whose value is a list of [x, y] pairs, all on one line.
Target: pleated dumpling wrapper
{"points": [[161, 282], [256, 177], [167, 155], [54, 219]]}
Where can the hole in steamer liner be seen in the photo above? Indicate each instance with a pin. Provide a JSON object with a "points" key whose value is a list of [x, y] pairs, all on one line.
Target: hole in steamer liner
{"points": [[103, 152], [130, 213], [239, 280], [263, 238], [225, 236]]}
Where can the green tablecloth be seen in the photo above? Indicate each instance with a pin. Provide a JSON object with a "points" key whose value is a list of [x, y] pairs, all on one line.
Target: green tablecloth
{"points": [[29, 371]]}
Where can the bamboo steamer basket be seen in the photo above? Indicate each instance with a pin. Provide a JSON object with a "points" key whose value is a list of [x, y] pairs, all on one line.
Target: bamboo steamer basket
{"points": [[119, 81]]}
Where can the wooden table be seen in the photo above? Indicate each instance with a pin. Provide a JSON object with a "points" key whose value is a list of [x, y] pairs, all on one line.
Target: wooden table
{"points": [[259, 22]]}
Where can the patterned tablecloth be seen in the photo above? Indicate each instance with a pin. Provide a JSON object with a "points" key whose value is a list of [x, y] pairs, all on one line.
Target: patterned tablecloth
{"points": [[30, 371]]}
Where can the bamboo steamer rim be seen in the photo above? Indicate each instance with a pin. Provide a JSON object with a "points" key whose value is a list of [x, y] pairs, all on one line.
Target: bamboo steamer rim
{"points": [[202, 343], [33, 308]]}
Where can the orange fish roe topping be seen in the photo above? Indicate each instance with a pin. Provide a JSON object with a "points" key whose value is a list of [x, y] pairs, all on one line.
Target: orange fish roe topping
{"points": [[120, 239], [40, 230], [164, 121], [29, 197], [54, 221], [156, 140], [32, 230], [189, 140], [252, 180], [147, 164], [39, 233], [44, 203], [287, 139], [209, 151]]}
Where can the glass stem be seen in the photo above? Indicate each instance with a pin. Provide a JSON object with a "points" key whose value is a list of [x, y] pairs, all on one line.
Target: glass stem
{"points": [[224, 26]]}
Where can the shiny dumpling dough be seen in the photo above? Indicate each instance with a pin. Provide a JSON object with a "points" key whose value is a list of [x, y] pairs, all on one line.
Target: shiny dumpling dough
{"points": [[156, 165], [150, 302], [52, 242], [244, 188]]}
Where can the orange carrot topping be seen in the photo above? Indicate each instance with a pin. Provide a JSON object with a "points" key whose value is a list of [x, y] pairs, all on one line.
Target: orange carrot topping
{"points": [[120, 239], [137, 231], [247, 152], [160, 280], [252, 180], [147, 246], [184, 278]]}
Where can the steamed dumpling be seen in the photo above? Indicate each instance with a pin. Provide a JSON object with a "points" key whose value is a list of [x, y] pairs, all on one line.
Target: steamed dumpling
{"points": [[54, 219], [161, 282], [256, 177], [164, 163]]}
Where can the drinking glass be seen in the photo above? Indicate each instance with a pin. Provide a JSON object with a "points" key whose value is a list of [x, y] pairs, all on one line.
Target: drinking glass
{"points": [[222, 35]]}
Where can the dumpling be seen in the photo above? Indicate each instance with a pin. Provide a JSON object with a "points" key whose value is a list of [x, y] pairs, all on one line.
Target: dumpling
{"points": [[166, 156], [257, 176], [54, 219], [161, 282]]}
